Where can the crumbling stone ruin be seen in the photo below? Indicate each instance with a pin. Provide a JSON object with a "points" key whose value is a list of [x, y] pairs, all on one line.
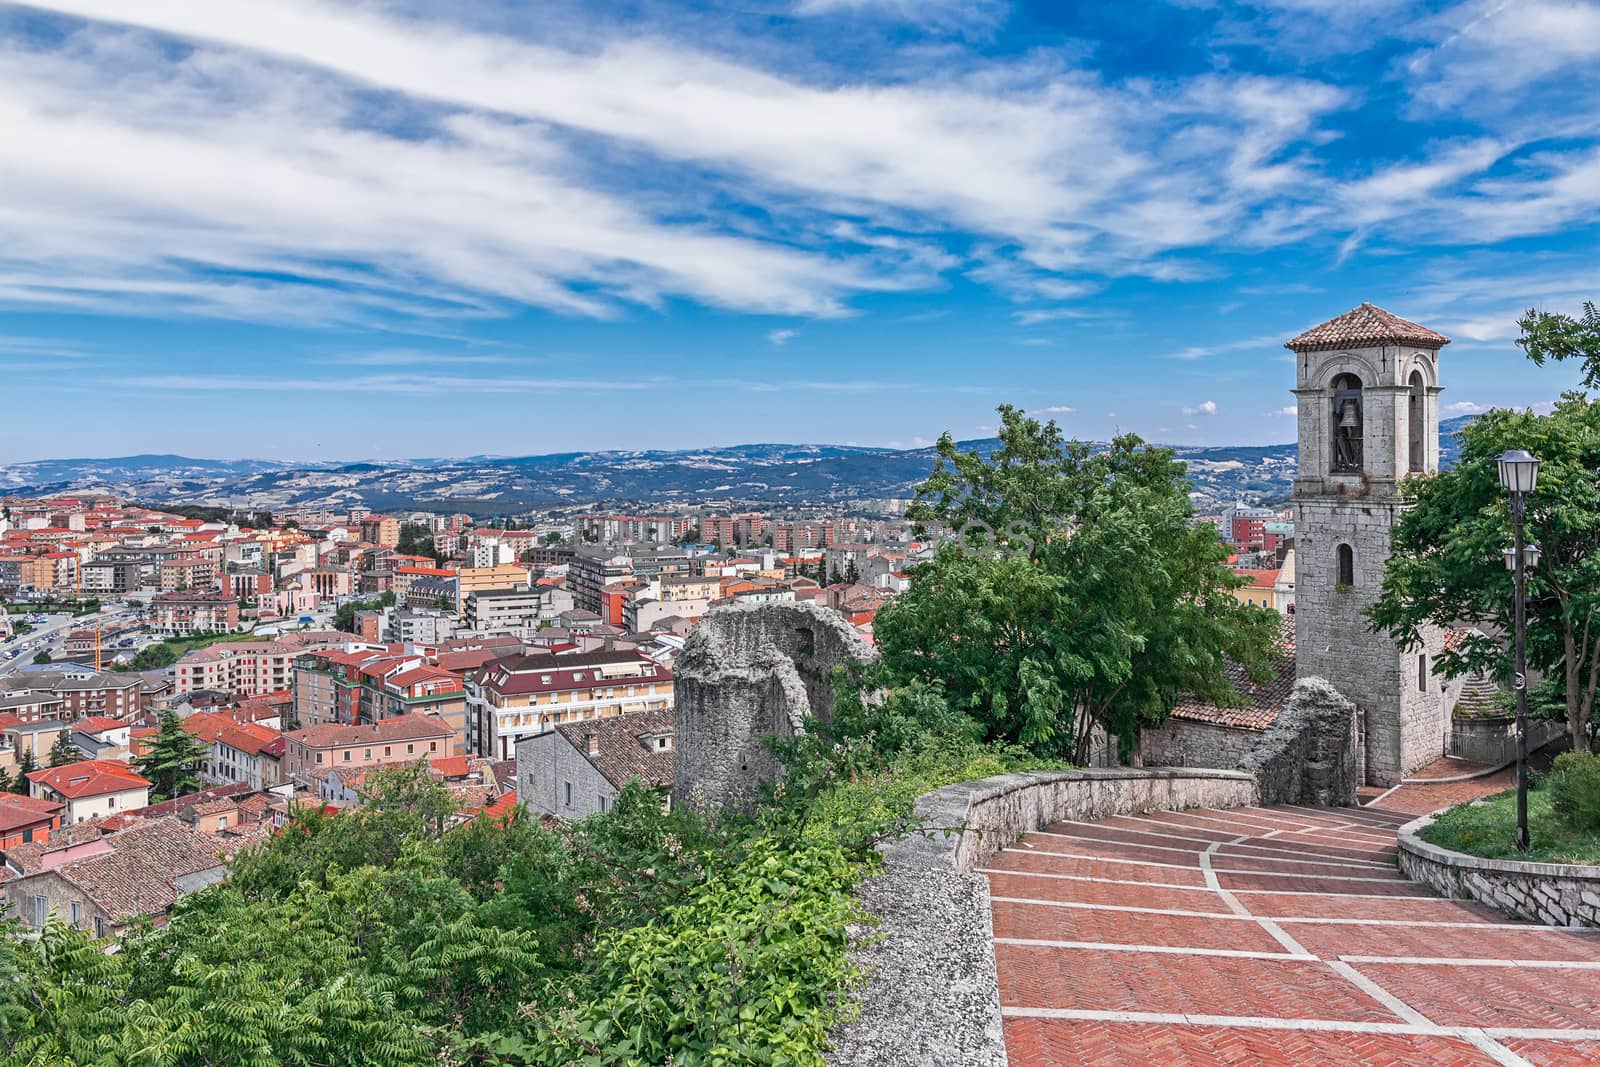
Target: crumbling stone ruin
{"points": [[747, 671], [1311, 752]]}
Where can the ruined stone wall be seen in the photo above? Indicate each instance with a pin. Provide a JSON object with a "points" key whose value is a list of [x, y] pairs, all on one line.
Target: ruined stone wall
{"points": [[748, 671], [1309, 755], [1182, 743]]}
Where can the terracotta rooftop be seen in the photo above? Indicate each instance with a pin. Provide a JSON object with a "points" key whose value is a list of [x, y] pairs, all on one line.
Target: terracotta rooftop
{"points": [[399, 728], [1261, 703], [140, 876], [1365, 326], [19, 811], [623, 756], [89, 778]]}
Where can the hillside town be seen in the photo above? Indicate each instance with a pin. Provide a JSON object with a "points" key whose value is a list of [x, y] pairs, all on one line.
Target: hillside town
{"points": [[483, 650]]}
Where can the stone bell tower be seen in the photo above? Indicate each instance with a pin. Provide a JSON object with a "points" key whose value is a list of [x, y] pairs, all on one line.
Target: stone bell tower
{"points": [[1368, 390]]}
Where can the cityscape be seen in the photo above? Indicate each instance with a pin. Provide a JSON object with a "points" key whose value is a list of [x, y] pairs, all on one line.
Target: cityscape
{"points": [[831, 533]]}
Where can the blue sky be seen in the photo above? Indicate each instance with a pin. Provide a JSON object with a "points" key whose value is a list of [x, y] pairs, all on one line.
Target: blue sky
{"points": [[308, 229]]}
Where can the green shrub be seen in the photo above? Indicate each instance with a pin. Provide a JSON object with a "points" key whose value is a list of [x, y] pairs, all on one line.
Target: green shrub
{"points": [[1574, 785]]}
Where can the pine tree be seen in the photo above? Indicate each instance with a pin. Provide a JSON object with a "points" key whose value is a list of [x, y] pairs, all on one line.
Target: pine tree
{"points": [[64, 751], [7, 784], [26, 764], [173, 760]]}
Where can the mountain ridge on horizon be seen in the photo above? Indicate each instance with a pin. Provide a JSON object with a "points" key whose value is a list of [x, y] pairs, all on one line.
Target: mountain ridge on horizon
{"points": [[771, 472]]}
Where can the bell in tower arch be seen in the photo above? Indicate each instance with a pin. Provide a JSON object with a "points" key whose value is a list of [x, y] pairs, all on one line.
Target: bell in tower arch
{"points": [[1347, 425]]}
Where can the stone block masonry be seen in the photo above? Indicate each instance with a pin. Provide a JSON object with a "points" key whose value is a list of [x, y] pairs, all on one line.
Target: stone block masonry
{"points": [[749, 671], [932, 995], [1308, 755], [1556, 894]]}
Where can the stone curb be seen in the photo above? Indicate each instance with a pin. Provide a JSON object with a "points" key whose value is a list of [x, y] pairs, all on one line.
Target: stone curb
{"points": [[932, 995], [1556, 894]]}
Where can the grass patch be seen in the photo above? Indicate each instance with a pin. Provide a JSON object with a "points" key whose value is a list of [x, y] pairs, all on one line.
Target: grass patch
{"points": [[1488, 829]]}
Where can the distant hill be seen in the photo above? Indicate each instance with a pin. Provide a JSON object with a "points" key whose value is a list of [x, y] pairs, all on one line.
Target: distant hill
{"points": [[769, 474]]}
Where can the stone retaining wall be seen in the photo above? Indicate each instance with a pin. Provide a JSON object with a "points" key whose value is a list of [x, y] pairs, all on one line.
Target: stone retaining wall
{"points": [[1556, 894], [932, 996]]}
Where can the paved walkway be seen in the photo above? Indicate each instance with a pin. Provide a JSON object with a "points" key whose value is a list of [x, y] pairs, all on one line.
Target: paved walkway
{"points": [[1270, 935]]}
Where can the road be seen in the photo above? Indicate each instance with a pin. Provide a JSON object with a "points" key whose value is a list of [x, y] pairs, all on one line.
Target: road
{"points": [[49, 635]]}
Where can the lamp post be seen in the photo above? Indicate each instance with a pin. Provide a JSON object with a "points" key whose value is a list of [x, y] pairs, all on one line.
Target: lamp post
{"points": [[1519, 475]]}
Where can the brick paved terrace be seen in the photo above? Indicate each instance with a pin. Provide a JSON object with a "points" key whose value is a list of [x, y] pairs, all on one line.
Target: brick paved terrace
{"points": [[1273, 935]]}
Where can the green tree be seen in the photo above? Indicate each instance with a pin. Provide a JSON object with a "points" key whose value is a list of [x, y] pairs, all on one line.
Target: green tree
{"points": [[1075, 591], [42, 657], [7, 785], [173, 760], [416, 539], [26, 765], [1555, 337], [64, 751], [1447, 568]]}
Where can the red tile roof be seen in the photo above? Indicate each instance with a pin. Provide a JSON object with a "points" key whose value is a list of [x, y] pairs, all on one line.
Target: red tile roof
{"points": [[399, 728], [622, 755], [1365, 326], [450, 766], [94, 725], [1261, 702], [17, 812], [89, 778]]}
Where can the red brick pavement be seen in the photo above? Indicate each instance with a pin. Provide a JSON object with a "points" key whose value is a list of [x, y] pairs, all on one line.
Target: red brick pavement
{"points": [[1318, 953]]}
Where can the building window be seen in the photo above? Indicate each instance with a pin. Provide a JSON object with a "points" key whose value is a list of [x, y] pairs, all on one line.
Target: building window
{"points": [[319, 757], [1417, 420], [385, 750], [99, 926], [347, 755], [1346, 566], [77, 913], [38, 912], [1422, 672], [366, 753], [410, 749], [433, 746], [566, 794], [605, 803]]}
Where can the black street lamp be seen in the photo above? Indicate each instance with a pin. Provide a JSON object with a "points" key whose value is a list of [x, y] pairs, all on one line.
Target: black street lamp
{"points": [[1519, 476]]}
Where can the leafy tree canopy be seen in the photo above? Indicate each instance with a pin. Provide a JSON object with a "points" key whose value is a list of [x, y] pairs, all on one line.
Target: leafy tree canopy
{"points": [[1076, 590], [1447, 567]]}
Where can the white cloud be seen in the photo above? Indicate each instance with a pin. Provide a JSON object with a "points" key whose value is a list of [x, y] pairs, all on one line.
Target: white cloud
{"points": [[1290, 410], [963, 16], [1465, 407], [1054, 409], [1205, 407], [1070, 173], [782, 337]]}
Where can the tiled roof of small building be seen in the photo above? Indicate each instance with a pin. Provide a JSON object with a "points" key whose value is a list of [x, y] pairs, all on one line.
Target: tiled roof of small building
{"points": [[1365, 326], [1261, 702], [138, 877], [623, 756]]}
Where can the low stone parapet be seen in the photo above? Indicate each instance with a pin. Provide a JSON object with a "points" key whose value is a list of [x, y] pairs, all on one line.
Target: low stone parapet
{"points": [[932, 996], [1556, 894]]}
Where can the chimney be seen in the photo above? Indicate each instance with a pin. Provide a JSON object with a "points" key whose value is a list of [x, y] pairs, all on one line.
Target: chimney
{"points": [[593, 740]]}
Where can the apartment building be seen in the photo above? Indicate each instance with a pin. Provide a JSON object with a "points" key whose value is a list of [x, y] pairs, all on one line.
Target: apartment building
{"points": [[315, 750], [249, 668], [519, 611], [194, 613], [237, 751], [520, 696]]}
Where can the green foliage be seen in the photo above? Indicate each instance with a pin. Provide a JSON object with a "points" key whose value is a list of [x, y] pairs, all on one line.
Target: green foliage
{"points": [[173, 760], [42, 657], [1547, 335], [1574, 787], [1447, 567], [416, 539], [26, 765], [345, 618], [1077, 591], [64, 751], [1488, 828], [380, 936]]}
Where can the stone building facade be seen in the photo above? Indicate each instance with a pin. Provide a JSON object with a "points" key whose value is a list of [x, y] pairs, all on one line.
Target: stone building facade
{"points": [[1368, 392]]}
